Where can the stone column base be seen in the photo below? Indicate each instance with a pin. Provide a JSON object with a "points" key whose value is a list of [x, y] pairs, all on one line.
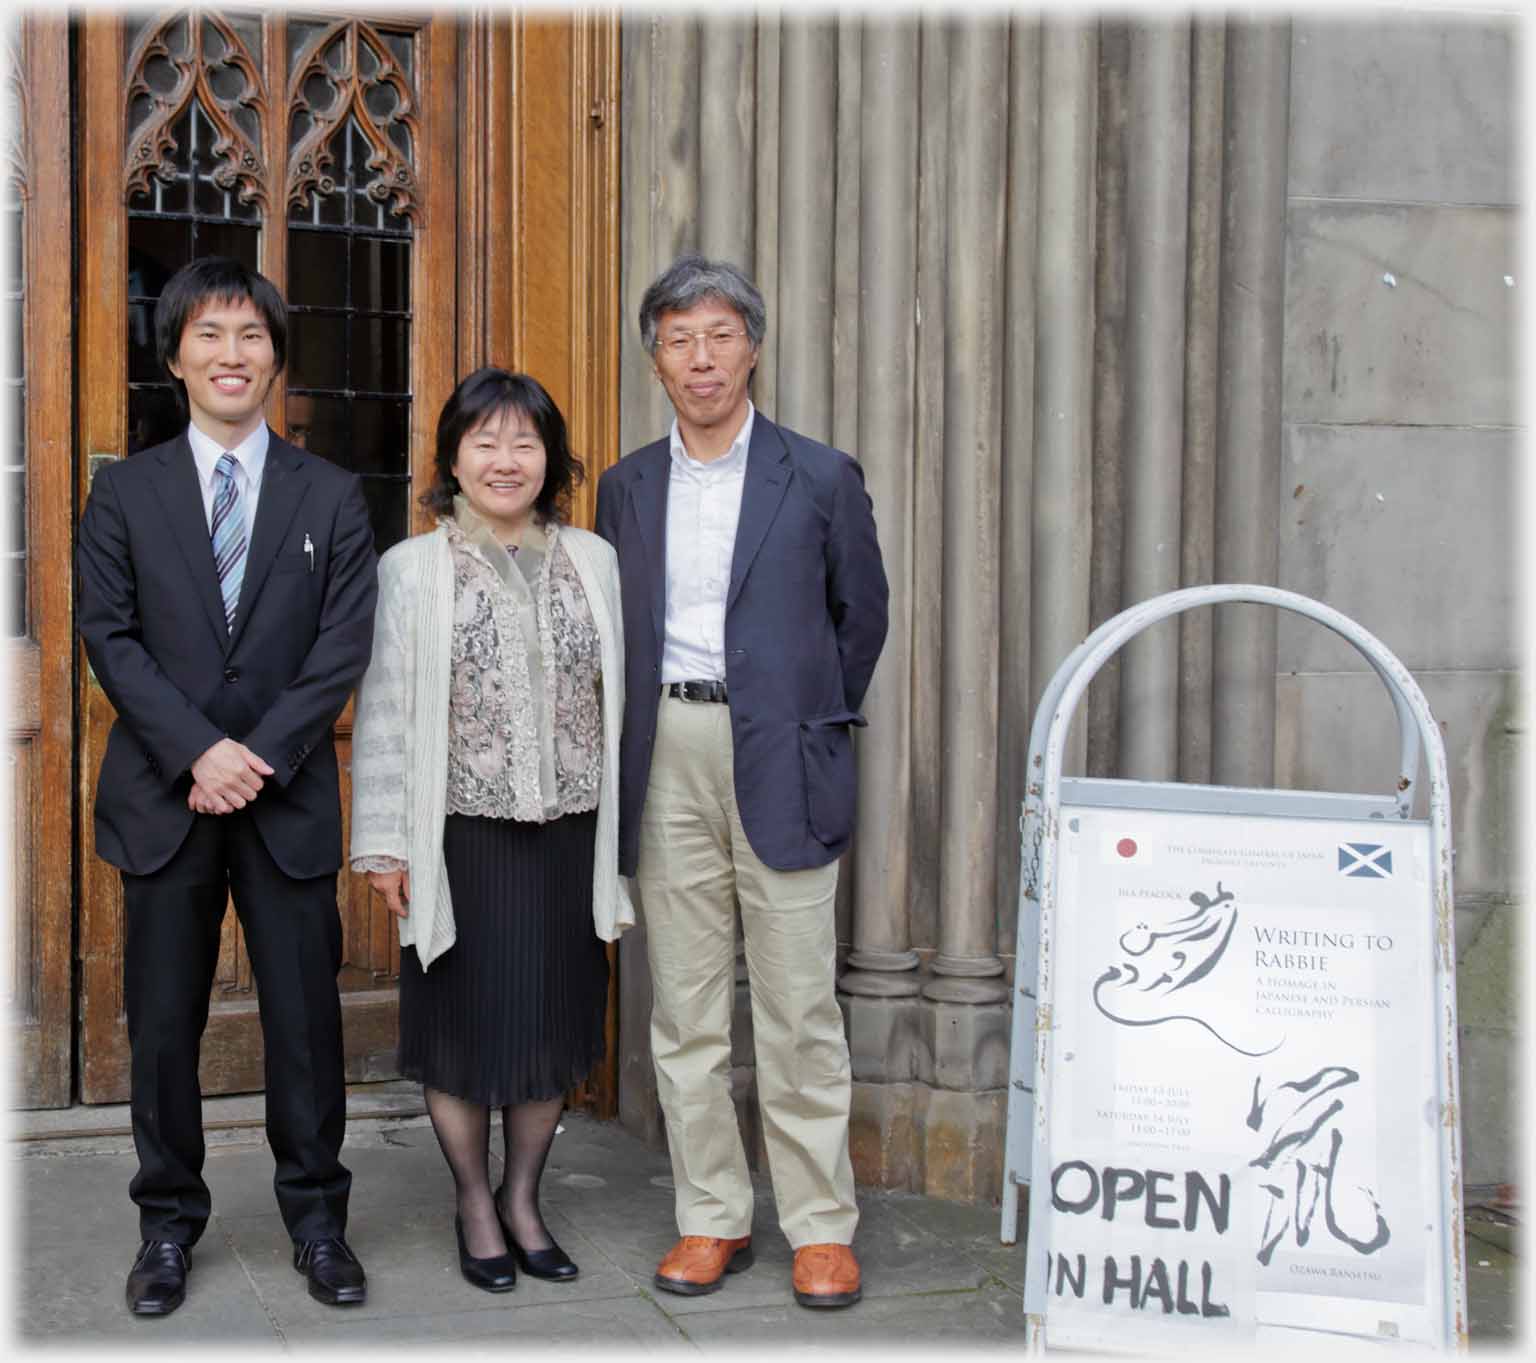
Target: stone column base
{"points": [[931, 1141]]}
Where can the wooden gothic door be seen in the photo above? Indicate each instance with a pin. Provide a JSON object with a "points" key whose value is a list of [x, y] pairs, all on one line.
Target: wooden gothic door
{"points": [[320, 150], [425, 209]]}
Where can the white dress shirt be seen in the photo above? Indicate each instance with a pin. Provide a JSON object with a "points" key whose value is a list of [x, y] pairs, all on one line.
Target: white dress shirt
{"points": [[250, 459], [703, 508]]}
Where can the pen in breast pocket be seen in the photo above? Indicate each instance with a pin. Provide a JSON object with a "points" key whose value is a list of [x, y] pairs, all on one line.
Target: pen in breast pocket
{"points": [[309, 551]]}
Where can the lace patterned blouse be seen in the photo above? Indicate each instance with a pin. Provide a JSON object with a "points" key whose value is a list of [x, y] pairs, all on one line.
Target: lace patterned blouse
{"points": [[525, 720]]}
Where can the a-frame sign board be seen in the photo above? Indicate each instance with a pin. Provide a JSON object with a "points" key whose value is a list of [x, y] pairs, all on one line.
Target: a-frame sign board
{"points": [[1234, 1076]]}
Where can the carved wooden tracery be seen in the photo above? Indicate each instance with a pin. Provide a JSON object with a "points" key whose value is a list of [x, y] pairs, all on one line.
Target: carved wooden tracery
{"points": [[151, 145], [354, 63], [14, 119]]}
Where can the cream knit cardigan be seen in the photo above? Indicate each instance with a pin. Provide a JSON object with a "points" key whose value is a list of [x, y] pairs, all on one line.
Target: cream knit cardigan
{"points": [[400, 732]]}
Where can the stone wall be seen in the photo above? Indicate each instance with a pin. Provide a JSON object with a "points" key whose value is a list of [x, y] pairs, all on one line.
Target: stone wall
{"points": [[1100, 307], [1401, 475]]}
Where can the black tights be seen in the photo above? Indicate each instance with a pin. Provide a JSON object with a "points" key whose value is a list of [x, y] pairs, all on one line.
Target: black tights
{"points": [[464, 1133]]}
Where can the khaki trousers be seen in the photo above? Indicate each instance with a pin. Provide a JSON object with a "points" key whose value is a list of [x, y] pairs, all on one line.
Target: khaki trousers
{"points": [[695, 864]]}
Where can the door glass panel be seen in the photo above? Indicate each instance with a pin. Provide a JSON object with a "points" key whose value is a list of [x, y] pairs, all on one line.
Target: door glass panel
{"points": [[318, 352], [381, 276], [349, 269], [379, 425], [14, 272], [318, 273], [165, 233], [382, 346], [388, 508], [13, 457], [15, 508]]}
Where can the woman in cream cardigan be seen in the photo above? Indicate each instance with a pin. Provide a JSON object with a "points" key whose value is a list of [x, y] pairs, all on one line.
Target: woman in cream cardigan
{"points": [[485, 803]]}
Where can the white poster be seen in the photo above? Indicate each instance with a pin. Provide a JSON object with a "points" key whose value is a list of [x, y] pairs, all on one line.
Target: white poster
{"points": [[1242, 1098]]}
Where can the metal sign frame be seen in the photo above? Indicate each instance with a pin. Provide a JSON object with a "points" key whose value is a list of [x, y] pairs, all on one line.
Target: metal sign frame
{"points": [[1029, 1096]]}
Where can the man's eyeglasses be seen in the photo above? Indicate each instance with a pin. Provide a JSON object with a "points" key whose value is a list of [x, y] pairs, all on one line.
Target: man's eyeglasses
{"points": [[681, 343]]}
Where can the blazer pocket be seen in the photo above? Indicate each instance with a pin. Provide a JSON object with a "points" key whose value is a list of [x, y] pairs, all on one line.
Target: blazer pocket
{"points": [[290, 563], [831, 779]]}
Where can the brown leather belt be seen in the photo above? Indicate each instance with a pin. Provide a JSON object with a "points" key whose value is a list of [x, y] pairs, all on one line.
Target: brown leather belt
{"points": [[697, 690]]}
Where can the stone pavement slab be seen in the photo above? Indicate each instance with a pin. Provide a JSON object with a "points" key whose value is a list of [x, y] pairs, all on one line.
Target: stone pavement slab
{"points": [[630, 1323], [73, 1294], [935, 1275], [983, 1317]]}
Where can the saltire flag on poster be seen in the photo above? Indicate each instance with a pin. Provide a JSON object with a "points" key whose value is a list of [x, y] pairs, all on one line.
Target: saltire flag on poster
{"points": [[1368, 859]]}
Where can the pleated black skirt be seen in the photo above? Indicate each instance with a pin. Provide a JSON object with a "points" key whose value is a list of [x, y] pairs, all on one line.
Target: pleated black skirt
{"points": [[513, 1011]]}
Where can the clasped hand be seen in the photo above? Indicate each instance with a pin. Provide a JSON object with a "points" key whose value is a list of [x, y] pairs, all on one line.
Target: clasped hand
{"points": [[225, 778]]}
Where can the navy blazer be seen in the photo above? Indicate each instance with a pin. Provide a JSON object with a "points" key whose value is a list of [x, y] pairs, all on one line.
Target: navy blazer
{"points": [[805, 619], [152, 619]]}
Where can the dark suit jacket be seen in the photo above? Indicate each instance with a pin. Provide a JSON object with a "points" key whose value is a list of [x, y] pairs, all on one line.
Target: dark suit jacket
{"points": [[805, 619], [152, 619]]}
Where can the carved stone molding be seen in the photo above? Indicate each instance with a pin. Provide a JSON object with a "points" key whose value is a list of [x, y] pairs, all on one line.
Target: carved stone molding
{"points": [[354, 63], [151, 145], [872, 984], [881, 974]]}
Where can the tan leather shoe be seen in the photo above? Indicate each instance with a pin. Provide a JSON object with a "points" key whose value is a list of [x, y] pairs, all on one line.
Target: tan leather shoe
{"points": [[696, 1263], [826, 1275]]}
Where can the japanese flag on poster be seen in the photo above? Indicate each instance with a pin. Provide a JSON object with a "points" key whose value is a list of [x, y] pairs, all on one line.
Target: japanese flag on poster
{"points": [[1244, 1025]]}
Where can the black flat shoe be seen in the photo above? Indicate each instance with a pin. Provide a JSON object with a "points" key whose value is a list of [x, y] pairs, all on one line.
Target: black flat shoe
{"points": [[498, 1273], [157, 1282], [553, 1263], [335, 1276]]}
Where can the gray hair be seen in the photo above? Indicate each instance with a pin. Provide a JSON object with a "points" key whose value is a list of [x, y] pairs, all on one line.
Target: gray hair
{"points": [[688, 281]]}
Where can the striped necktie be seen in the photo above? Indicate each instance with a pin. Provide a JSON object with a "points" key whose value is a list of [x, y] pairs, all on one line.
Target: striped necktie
{"points": [[228, 534]]}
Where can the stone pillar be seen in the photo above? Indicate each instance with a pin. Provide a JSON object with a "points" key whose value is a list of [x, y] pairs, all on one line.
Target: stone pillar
{"points": [[1202, 377], [1062, 532], [765, 177], [1156, 218], [847, 268], [1252, 335], [967, 968], [1100, 719], [932, 193], [727, 128], [1015, 703], [807, 150], [882, 962]]}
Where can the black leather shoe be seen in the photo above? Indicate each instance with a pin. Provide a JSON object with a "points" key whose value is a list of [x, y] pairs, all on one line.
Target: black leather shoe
{"points": [[552, 1263], [335, 1276], [497, 1273], [157, 1282]]}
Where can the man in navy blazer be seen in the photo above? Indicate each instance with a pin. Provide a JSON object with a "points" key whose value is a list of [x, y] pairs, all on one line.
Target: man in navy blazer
{"points": [[754, 611], [226, 596]]}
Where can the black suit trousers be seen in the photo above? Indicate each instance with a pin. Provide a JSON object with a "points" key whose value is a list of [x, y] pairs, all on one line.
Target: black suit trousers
{"points": [[293, 934]]}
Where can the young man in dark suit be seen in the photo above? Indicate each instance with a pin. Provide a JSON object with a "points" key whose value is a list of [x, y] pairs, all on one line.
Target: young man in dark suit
{"points": [[226, 595], [754, 610]]}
